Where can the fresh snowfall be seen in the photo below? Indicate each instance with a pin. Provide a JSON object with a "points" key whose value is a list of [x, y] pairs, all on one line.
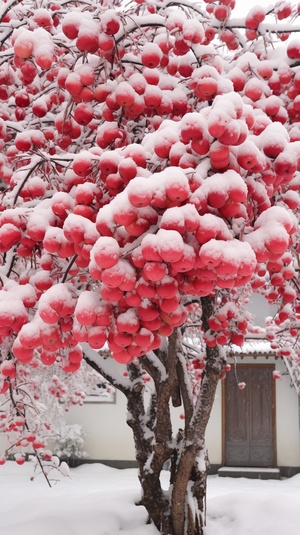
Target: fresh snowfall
{"points": [[149, 186], [99, 500]]}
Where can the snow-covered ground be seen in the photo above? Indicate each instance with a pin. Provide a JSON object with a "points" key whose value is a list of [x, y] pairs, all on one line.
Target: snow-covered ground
{"points": [[98, 500]]}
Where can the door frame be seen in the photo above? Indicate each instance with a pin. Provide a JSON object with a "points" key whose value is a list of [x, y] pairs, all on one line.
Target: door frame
{"points": [[274, 429]]}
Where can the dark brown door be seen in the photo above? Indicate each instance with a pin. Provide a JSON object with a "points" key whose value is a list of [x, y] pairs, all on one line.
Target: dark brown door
{"points": [[249, 417]]}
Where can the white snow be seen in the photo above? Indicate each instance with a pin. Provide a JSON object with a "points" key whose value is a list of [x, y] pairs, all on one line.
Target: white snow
{"points": [[96, 499]]}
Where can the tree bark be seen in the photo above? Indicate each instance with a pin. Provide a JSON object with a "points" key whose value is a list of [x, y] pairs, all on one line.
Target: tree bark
{"points": [[152, 437], [181, 509]]}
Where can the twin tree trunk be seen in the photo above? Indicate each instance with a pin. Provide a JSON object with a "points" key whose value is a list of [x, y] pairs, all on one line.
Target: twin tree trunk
{"points": [[180, 510]]}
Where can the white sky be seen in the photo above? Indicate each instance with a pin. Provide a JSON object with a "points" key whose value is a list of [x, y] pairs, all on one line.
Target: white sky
{"points": [[243, 6]]}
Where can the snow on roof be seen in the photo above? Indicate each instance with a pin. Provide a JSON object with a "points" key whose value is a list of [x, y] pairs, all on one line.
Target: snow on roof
{"points": [[260, 347], [253, 346]]}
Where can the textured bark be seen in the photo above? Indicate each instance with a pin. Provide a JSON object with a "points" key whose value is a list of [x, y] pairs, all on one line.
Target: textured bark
{"points": [[193, 442], [151, 452], [181, 510]]}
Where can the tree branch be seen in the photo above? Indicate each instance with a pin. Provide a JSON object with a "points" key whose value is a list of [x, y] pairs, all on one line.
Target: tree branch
{"points": [[105, 366]]}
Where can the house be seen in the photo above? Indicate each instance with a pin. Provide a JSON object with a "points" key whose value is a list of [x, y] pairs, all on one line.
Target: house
{"points": [[252, 428], [260, 423], [257, 426]]}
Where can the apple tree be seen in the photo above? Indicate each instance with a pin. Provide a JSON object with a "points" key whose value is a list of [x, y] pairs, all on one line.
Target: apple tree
{"points": [[150, 156]]}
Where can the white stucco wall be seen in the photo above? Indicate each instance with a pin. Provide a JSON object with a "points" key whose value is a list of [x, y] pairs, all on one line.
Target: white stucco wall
{"points": [[109, 437], [214, 430], [287, 415]]}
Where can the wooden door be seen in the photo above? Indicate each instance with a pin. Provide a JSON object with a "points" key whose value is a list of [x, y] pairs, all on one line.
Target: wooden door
{"points": [[250, 417]]}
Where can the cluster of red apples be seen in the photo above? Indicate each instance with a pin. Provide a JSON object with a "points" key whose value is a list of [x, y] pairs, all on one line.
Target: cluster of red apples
{"points": [[150, 155]]}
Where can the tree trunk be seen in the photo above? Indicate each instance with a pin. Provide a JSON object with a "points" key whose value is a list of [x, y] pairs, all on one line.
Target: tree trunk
{"points": [[181, 509]]}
